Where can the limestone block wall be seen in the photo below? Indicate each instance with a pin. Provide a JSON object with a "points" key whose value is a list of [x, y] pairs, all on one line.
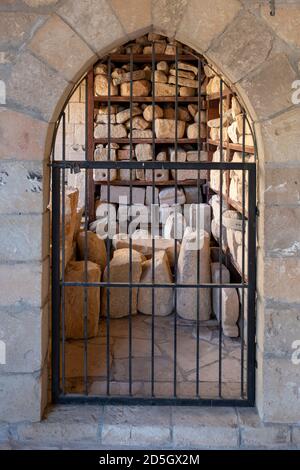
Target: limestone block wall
{"points": [[39, 74]]}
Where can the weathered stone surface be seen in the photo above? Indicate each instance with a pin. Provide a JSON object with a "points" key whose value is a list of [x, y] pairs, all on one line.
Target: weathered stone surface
{"points": [[133, 15], [117, 131], [233, 132], [144, 245], [143, 152], [17, 27], [139, 88], [137, 134], [186, 91], [275, 74], [163, 66], [21, 237], [96, 250], [161, 157], [91, 21], [102, 154], [167, 196], [187, 274], [138, 122], [47, 45], [117, 192], [213, 85], [198, 216], [24, 86], [101, 84], [125, 174], [285, 23], [160, 77], [159, 175], [247, 39], [124, 115], [148, 112], [191, 195], [165, 129], [278, 241], [280, 276], [25, 406], [119, 305], [163, 300], [281, 185], [159, 48], [166, 15], [186, 82], [193, 131], [74, 300], [229, 299], [179, 156], [134, 76], [276, 132], [200, 24], [235, 107], [164, 89], [184, 74]]}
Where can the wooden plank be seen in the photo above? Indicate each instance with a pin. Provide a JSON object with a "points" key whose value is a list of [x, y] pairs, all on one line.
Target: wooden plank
{"points": [[236, 147], [147, 58], [126, 140], [148, 99], [216, 96]]}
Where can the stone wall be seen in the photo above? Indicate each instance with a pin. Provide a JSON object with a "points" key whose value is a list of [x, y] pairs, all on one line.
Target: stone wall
{"points": [[39, 73]]}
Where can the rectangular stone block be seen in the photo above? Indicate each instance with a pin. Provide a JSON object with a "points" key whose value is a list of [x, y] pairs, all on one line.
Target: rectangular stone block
{"points": [[282, 231], [23, 137], [14, 291], [281, 185], [24, 237], [20, 397], [21, 189], [281, 279], [25, 335], [204, 427], [138, 194]]}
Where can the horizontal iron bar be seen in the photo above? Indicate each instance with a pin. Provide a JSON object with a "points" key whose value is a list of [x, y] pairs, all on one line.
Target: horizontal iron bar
{"points": [[108, 164], [129, 400], [137, 284]]}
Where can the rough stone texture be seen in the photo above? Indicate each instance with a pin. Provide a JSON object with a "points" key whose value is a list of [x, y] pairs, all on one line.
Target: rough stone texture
{"points": [[139, 88], [117, 192], [134, 16], [281, 276], [166, 15], [21, 237], [279, 379], [120, 305], [23, 137], [16, 28], [27, 79], [101, 84], [243, 47], [255, 434], [281, 185], [187, 274], [165, 128], [25, 356], [188, 431], [74, 300], [277, 132], [278, 240], [96, 250], [275, 74], [24, 406], [200, 24], [286, 22], [163, 299], [36, 275], [47, 45], [94, 21]]}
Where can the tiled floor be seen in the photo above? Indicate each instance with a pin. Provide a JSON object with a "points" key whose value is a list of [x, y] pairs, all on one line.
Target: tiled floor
{"points": [[141, 364]]}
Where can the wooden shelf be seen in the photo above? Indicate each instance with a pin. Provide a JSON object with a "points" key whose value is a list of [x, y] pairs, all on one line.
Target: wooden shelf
{"points": [[232, 146], [126, 140], [148, 99], [234, 204], [149, 183], [147, 58]]}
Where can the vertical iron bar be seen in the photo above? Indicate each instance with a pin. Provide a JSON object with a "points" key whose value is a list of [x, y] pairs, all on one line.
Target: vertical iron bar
{"points": [[55, 284], [130, 235], [221, 239], [251, 284], [175, 225], [63, 251], [243, 259], [108, 239], [152, 234], [86, 221], [198, 226]]}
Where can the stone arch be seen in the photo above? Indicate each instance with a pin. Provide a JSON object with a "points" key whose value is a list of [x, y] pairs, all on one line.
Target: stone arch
{"points": [[58, 41]]}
